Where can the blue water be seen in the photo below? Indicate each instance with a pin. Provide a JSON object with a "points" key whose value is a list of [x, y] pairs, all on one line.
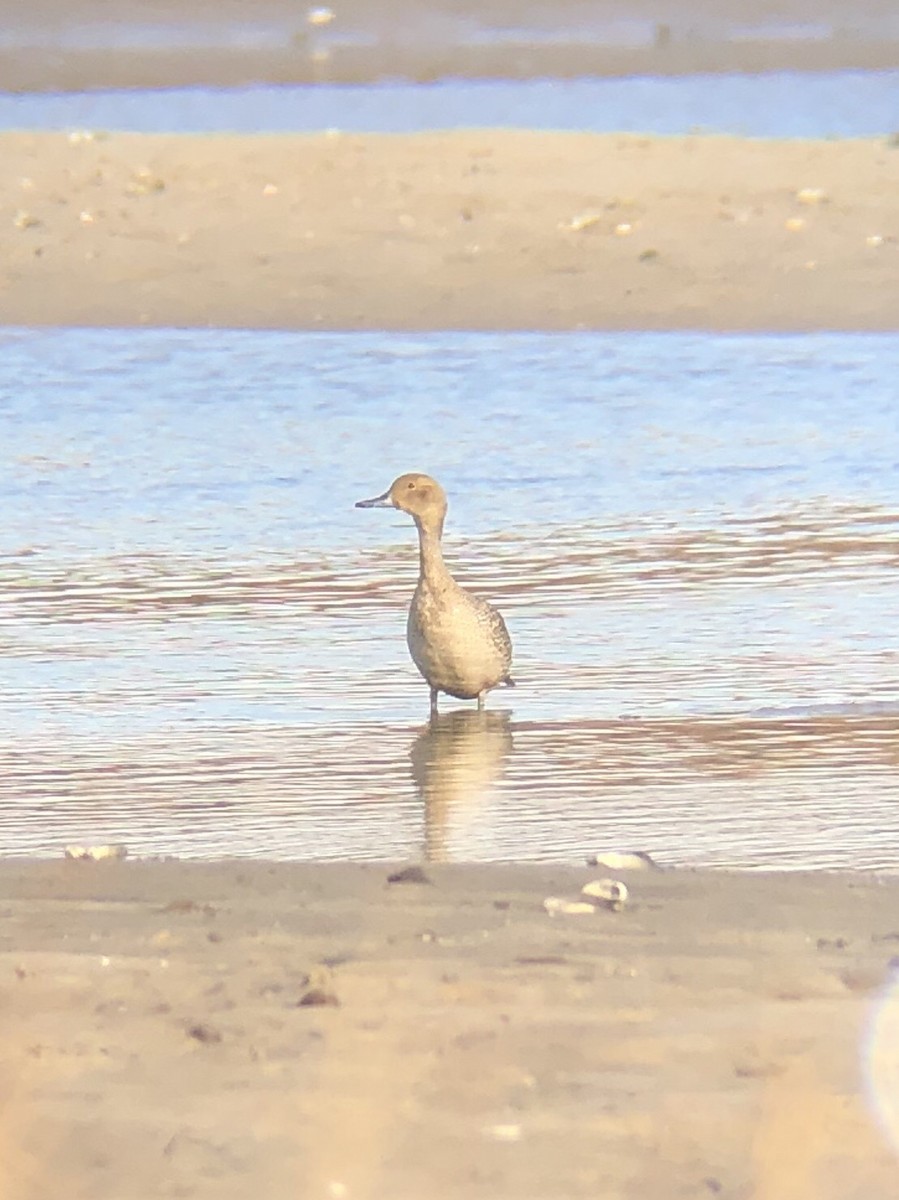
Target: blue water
{"points": [[693, 539], [787, 104]]}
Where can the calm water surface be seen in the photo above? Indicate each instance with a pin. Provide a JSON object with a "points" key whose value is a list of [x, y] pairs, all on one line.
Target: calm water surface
{"points": [[783, 104], [695, 540]]}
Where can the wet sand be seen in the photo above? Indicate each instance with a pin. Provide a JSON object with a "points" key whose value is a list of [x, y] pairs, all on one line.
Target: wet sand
{"points": [[296, 1030], [467, 230]]}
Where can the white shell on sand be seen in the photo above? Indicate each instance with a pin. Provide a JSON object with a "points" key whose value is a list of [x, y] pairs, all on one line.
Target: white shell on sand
{"points": [[25, 220], [581, 221], [556, 906], [610, 892], [618, 860], [812, 196], [96, 853]]}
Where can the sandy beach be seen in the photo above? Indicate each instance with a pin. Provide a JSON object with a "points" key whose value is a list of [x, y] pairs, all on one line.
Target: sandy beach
{"points": [[218, 1029], [467, 230], [175, 1029]]}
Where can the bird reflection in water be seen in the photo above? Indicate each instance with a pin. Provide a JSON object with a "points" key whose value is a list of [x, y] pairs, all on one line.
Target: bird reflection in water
{"points": [[456, 761]]}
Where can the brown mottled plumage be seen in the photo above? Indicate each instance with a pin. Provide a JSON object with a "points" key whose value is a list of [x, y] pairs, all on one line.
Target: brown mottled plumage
{"points": [[459, 642]]}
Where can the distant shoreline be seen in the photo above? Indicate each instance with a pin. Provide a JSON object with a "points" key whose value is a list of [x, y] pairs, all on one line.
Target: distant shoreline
{"points": [[48, 46], [79, 70]]}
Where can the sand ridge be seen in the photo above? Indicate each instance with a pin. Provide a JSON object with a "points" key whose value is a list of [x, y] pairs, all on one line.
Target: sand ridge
{"points": [[464, 230]]}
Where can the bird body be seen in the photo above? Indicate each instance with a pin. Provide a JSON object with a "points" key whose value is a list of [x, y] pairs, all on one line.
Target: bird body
{"points": [[458, 641]]}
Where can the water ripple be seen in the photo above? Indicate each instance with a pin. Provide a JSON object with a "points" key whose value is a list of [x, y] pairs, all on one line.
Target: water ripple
{"points": [[693, 540]]}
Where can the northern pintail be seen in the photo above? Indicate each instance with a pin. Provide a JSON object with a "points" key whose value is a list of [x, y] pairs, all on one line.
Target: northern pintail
{"points": [[459, 642]]}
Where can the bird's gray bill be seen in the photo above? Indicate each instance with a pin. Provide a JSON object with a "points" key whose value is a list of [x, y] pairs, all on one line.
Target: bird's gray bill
{"points": [[378, 502]]}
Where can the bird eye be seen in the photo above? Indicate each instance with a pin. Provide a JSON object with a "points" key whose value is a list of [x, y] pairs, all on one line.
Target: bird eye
{"points": [[411, 485]]}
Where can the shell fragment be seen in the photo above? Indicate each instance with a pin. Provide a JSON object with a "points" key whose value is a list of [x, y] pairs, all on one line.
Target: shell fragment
{"points": [[608, 893], [556, 907], [617, 860], [581, 222], [811, 196], [96, 853]]}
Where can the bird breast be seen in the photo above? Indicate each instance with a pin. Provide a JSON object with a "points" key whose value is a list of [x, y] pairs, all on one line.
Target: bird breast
{"points": [[458, 642]]}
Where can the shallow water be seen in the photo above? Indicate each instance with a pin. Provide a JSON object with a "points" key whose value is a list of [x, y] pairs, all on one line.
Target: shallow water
{"points": [[693, 538], [785, 104]]}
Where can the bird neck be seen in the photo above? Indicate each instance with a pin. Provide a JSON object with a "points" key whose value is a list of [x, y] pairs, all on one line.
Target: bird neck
{"points": [[430, 554]]}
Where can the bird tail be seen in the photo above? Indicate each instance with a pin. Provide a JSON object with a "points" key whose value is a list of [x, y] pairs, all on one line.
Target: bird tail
{"points": [[507, 682]]}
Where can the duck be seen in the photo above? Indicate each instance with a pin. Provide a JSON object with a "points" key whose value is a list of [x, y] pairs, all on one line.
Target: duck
{"points": [[458, 642]]}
